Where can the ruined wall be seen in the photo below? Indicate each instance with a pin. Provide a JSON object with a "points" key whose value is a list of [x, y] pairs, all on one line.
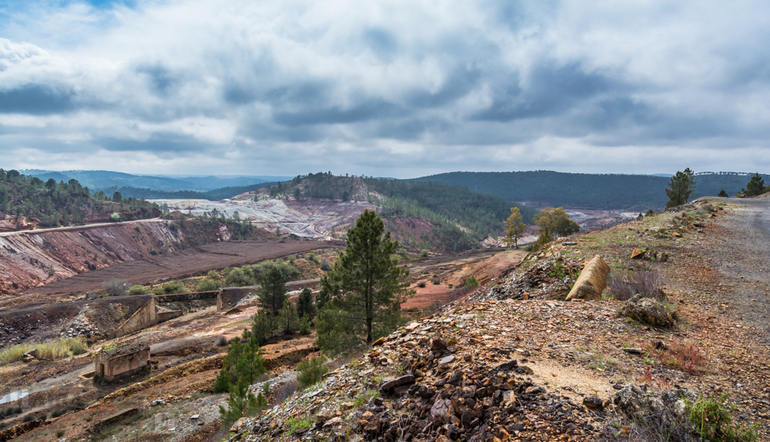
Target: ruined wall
{"points": [[112, 367], [141, 319], [229, 297]]}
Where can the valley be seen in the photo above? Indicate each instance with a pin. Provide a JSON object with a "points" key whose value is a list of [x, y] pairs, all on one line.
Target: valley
{"points": [[490, 302]]}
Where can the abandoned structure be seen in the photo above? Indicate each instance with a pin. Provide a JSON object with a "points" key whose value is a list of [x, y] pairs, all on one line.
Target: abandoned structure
{"points": [[123, 360]]}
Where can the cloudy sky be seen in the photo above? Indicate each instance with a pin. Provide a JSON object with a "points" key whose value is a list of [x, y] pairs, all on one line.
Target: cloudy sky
{"points": [[384, 88]]}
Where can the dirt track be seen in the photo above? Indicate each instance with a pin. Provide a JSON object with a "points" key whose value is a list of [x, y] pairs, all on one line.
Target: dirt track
{"points": [[741, 255], [180, 264]]}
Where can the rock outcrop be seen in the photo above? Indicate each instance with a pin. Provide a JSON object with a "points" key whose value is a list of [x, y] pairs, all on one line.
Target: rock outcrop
{"points": [[647, 310]]}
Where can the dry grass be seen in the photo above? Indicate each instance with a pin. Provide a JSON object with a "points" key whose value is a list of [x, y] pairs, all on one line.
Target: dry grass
{"points": [[49, 350]]}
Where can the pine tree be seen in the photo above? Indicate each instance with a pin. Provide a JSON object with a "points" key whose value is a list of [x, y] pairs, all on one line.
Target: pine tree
{"points": [[240, 403], [305, 306], [755, 186], [273, 290], [680, 188], [366, 285]]}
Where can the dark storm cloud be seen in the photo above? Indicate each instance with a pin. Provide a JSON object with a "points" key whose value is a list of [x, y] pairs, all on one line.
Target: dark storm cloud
{"points": [[36, 99], [552, 91]]}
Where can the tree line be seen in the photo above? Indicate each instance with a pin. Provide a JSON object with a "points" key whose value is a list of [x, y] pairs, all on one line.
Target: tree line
{"points": [[52, 204]]}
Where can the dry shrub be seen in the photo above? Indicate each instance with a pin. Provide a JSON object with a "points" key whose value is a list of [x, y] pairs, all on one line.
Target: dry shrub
{"points": [[685, 357], [49, 350], [635, 281]]}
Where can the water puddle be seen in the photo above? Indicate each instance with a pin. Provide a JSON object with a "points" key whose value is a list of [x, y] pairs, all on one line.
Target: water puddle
{"points": [[13, 396]]}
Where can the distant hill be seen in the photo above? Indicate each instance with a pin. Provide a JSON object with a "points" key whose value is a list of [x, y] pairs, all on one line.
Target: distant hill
{"points": [[104, 180], [28, 201], [212, 195], [588, 191], [420, 215]]}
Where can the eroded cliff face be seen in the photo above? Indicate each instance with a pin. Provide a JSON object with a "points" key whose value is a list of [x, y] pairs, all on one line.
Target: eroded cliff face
{"points": [[29, 259]]}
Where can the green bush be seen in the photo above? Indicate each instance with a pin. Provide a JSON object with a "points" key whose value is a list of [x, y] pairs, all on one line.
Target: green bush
{"points": [[205, 285], [174, 287], [713, 421], [137, 290], [311, 371], [238, 278], [471, 282]]}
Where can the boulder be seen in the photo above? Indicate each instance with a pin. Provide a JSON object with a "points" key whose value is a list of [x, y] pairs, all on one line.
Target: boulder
{"points": [[647, 310], [666, 410], [592, 280]]}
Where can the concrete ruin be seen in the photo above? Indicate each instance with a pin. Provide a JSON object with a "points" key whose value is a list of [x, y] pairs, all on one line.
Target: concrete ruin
{"points": [[123, 360]]}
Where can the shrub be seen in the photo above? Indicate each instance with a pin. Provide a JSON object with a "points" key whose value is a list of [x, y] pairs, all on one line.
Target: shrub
{"points": [[421, 284], [238, 278], [206, 285], [174, 287], [325, 266], [640, 281], [471, 282], [311, 371], [312, 257], [49, 350], [435, 280], [712, 420], [116, 287], [137, 290]]}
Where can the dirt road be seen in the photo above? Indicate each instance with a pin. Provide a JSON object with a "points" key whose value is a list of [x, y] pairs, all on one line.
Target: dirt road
{"points": [[180, 264], [741, 254]]}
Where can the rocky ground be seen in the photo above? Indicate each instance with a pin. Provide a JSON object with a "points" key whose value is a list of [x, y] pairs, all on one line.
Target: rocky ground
{"points": [[511, 361]]}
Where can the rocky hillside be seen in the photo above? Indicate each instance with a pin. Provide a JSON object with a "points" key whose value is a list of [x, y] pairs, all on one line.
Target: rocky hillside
{"points": [[513, 361], [28, 259]]}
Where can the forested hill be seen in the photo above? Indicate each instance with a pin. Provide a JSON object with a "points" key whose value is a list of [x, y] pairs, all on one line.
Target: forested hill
{"points": [[459, 218], [587, 191], [27, 201]]}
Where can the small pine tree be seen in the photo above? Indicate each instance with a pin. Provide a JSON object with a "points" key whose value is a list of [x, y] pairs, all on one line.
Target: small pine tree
{"points": [[304, 326], [755, 186], [321, 299], [680, 188], [240, 403], [289, 319], [222, 383], [263, 326], [723, 194], [305, 306], [273, 291]]}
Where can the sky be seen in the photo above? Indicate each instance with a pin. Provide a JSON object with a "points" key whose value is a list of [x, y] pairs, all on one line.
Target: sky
{"points": [[384, 88]]}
